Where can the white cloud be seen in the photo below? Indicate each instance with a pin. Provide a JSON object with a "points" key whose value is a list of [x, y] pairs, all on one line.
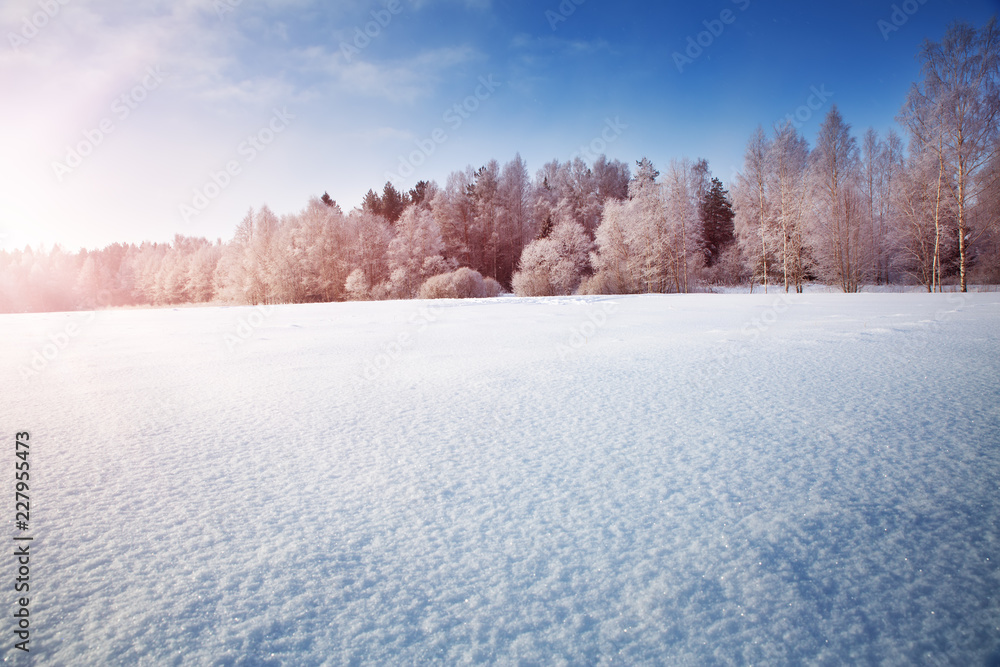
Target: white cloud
{"points": [[402, 81], [551, 44]]}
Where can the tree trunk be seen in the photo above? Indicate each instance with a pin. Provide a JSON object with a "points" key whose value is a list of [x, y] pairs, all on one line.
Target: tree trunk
{"points": [[961, 224], [936, 271]]}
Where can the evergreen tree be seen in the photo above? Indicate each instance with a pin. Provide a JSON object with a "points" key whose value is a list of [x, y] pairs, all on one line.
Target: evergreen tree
{"points": [[645, 173], [546, 229], [372, 203], [418, 194], [393, 203], [717, 220]]}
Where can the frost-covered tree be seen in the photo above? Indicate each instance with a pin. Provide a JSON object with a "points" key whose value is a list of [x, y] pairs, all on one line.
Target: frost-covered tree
{"points": [[453, 209], [370, 236], [416, 252], [754, 223], [926, 217], [880, 167], [613, 260], [837, 207], [517, 227], [633, 249], [573, 183], [89, 283], [684, 185], [554, 265], [199, 284], [253, 268], [321, 243], [788, 192], [357, 286], [651, 242], [955, 111], [611, 179], [488, 216], [235, 277]]}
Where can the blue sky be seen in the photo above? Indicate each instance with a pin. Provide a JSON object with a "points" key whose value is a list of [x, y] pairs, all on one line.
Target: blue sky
{"points": [[192, 111]]}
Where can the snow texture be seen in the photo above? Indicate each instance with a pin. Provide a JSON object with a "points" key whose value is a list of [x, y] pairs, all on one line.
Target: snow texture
{"points": [[705, 479]]}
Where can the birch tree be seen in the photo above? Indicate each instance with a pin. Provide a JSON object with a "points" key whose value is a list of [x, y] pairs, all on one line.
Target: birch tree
{"points": [[652, 242], [517, 225], [956, 108], [789, 162], [837, 210], [925, 221], [754, 210], [879, 167]]}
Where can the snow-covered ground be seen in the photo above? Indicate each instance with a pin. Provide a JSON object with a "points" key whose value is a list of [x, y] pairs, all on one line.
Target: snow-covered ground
{"points": [[705, 479]]}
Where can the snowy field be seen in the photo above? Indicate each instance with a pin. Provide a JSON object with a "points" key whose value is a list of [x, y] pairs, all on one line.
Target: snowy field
{"points": [[705, 479]]}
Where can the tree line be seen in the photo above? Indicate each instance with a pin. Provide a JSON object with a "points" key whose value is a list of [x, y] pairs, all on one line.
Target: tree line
{"points": [[844, 211]]}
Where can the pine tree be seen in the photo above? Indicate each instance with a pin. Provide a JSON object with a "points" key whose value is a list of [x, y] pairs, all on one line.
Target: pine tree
{"points": [[546, 229], [717, 220], [372, 203], [390, 205], [393, 203], [645, 172], [418, 193]]}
